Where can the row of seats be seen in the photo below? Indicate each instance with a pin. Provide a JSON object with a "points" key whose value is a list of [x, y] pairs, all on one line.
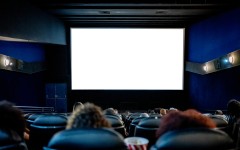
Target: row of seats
{"points": [[44, 126], [108, 139], [147, 126]]}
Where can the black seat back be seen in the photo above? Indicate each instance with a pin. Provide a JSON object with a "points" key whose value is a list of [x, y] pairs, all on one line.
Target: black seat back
{"points": [[130, 118], [7, 142], [220, 122], [31, 118], [194, 139], [43, 128], [147, 128], [87, 139], [117, 124], [134, 123]]}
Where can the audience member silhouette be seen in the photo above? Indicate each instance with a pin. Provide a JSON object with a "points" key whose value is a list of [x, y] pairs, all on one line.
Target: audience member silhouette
{"points": [[12, 119], [77, 104], [163, 111], [110, 111], [233, 108], [89, 116], [176, 120], [13, 123], [218, 112]]}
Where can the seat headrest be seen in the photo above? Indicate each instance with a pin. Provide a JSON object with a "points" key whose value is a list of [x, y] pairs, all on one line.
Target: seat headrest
{"points": [[115, 116], [133, 116], [150, 122], [194, 139], [32, 117], [115, 122], [137, 120], [155, 115], [87, 138], [50, 120], [220, 122], [10, 140]]}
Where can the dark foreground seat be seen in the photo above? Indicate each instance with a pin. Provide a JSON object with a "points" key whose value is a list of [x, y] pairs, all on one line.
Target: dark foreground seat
{"points": [[7, 142], [133, 125], [147, 128], [31, 118], [117, 124], [221, 123], [194, 139], [87, 139], [43, 128]]}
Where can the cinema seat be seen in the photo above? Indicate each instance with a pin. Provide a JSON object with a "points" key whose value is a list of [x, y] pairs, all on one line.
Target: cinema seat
{"points": [[87, 139], [194, 139], [117, 124], [220, 122], [147, 128], [43, 128], [31, 118], [133, 125], [130, 118], [7, 142]]}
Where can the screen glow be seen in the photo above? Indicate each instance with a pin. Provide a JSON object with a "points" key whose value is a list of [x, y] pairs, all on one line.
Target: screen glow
{"points": [[127, 59]]}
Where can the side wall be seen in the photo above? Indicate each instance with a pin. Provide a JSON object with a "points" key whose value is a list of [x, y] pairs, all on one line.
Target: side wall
{"points": [[25, 89], [43, 39], [209, 39]]}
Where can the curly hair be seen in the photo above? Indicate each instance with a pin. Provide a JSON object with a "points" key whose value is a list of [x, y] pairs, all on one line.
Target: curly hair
{"points": [[11, 118], [176, 120], [77, 104], [89, 115]]}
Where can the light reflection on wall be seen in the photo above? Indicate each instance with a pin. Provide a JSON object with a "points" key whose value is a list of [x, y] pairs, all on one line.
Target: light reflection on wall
{"points": [[224, 62], [12, 64]]}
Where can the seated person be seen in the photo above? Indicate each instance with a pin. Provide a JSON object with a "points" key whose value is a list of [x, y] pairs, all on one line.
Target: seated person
{"points": [[89, 115], [190, 118], [77, 104], [13, 122], [219, 114], [112, 112], [233, 108], [11, 118], [163, 111]]}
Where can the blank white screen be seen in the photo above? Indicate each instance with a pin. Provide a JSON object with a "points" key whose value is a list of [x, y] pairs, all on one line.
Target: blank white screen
{"points": [[125, 59]]}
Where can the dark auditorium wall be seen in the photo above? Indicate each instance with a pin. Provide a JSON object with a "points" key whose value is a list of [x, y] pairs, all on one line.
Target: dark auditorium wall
{"points": [[41, 35], [22, 20], [22, 88], [25, 89], [207, 40]]}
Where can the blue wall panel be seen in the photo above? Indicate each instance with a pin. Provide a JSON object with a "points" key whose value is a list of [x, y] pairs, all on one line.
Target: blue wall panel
{"points": [[209, 39], [214, 37], [21, 88], [29, 52]]}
